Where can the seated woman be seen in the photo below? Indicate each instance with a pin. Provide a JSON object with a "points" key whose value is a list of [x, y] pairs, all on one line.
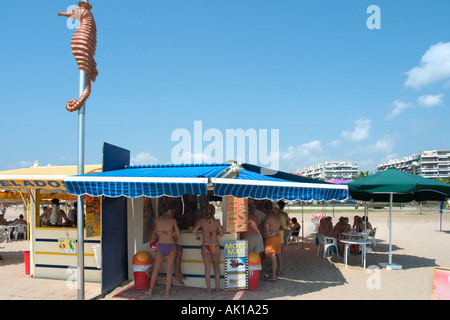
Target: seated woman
{"points": [[295, 227], [358, 224], [366, 223], [167, 231], [339, 228], [325, 227], [210, 245]]}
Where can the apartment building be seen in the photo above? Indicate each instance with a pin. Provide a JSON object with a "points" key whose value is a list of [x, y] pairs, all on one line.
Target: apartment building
{"points": [[429, 164], [339, 170]]}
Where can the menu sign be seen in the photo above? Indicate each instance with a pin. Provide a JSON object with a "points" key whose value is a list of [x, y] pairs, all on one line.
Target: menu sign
{"points": [[237, 214], [93, 216], [236, 265]]}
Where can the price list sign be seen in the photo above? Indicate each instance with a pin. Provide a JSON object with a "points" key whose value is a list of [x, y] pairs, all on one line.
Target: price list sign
{"points": [[237, 214]]}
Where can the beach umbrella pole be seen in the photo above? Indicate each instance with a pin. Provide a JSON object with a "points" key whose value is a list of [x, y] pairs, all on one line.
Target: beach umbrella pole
{"points": [[303, 230], [390, 265], [365, 214], [390, 227]]}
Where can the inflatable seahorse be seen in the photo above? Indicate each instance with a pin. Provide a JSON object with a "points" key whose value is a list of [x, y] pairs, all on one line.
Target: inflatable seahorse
{"points": [[84, 43]]}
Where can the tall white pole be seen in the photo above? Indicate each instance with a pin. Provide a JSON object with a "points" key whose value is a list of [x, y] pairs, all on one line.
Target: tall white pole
{"points": [[80, 205]]}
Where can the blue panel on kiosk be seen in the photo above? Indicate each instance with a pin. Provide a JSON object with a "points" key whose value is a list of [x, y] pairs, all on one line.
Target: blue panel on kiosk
{"points": [[114, 225], [115, 158]]}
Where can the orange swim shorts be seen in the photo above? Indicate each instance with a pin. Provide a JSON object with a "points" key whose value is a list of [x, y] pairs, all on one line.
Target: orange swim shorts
{"points": [[272, 245]]}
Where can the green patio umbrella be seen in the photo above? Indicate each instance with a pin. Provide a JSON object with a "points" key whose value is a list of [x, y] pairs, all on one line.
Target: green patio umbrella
{"points": [[393, 185]]}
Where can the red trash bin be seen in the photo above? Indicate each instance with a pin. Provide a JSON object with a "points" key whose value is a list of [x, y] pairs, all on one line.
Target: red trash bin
{"points": [[26, 258], [142, 268], [254, 267]]}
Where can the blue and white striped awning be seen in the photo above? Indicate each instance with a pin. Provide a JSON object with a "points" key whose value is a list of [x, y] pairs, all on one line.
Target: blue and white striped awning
{"points": [[269, 186], [151, 181], [177, 180]]}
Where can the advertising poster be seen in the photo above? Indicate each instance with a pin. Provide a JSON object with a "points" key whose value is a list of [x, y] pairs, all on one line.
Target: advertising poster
{"points": [[236, 265], [93, 216], [149, 220], [315, 221], [67, 246], [237, 214]]}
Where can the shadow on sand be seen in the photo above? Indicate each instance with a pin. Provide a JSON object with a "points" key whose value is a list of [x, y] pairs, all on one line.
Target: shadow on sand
{"points": [[303, 272]]}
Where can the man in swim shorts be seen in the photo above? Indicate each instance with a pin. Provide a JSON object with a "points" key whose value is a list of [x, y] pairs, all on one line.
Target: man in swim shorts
{"points": [[252, 235], [272, 241]]}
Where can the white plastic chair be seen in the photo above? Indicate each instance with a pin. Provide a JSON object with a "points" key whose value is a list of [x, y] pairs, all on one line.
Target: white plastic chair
{"points": [[5, 231], [327, 243], [366, 234], [366, 237], [4, 237], [21, 229], [292, 238], [372, 235]]}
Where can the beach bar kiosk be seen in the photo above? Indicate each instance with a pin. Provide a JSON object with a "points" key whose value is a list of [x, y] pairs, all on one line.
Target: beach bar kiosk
{"points": [[52, 247], [130, 196], [121, 202]]}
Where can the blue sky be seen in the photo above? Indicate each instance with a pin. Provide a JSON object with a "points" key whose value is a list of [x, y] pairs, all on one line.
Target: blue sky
{"points": [[334, 89]]}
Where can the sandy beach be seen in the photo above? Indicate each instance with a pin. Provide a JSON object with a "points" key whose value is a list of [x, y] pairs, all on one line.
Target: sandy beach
{"points": [[418, 246]]}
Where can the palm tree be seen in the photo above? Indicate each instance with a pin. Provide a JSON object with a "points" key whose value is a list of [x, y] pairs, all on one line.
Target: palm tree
{"points": [[362, 174], [444, 180]]}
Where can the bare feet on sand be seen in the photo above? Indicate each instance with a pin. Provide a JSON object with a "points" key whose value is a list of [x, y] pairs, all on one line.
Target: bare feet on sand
{"points": [[179, 279]]}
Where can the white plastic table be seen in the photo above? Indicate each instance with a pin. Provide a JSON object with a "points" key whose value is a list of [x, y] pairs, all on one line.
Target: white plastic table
{"points": [[361, 243], [352, 234]]}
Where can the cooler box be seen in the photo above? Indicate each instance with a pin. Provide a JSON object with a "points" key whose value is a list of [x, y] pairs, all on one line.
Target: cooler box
{"points": [[26, 258], [254, 267]]}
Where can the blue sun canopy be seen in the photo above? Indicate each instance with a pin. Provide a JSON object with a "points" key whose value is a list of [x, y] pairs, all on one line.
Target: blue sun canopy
{"points": [[241, 181]]}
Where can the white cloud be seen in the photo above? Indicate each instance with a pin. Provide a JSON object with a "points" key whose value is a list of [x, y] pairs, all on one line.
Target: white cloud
{"points": [[360, 132], [334, 143], [144, 158], [23, 164], [383, 145], [399, 107], [304, 151], [429, 100], [304, 155], [366, 164], [434, 66]]}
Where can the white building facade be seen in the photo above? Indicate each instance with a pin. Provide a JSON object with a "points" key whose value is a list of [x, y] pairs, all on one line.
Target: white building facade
{"points": [[339, 170], [429, 164]]}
